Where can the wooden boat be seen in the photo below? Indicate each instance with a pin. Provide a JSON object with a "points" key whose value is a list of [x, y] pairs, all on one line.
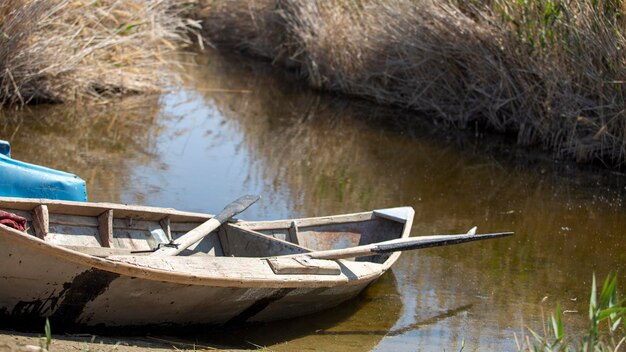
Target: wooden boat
{"points": [[87, 264], [90, 264]]}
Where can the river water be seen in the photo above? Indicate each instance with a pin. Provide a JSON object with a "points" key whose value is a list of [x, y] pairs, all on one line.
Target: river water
{"points": [[233, 127]]}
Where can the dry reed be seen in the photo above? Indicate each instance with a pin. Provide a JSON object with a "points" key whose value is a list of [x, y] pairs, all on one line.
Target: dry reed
{"points": [[549, 73], [66, 50]]}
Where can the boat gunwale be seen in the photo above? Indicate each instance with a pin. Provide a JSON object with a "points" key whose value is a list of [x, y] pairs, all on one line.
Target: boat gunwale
{"points": [[99, 207], [153, 274]]}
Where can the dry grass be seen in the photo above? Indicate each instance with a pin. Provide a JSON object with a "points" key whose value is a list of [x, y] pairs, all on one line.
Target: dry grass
{"points": [[67, 50], [549, 73]]}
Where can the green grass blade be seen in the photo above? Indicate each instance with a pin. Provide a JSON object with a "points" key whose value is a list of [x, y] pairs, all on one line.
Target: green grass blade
{"points": [[592, 299], [557, 324], [609, 291], [613, 313], [48, 332]]}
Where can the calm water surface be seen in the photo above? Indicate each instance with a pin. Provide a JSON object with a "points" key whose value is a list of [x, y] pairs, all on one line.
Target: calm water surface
{"points": [[233, 127]]}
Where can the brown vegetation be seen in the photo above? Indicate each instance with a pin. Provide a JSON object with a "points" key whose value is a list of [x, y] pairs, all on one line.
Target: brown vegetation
{"points": [[547, 72], [65, 50]]}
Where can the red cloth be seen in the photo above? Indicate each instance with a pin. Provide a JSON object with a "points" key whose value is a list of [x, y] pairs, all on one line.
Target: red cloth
{"points": [[12, 220]]}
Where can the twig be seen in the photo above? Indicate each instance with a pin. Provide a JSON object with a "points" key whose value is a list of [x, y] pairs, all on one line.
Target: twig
{"points": [[181, 343], [219, 90]]}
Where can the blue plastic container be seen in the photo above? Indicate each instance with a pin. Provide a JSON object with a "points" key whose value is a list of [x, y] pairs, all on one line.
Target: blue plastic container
{"points": [[20, 179]]}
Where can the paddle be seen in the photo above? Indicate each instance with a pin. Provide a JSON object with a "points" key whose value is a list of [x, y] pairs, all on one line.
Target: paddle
{"points": [[195, 235], [402, 244]]}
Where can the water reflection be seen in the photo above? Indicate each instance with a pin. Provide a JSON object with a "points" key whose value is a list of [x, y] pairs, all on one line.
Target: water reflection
{"points": [[100, 143], [235, 127], [358, 325], [324, 156]]}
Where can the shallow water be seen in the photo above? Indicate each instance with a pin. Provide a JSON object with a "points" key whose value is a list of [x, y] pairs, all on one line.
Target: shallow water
{"points": [[235, 127]]}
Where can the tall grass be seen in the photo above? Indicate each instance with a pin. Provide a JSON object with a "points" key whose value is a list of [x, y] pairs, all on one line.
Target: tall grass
{"points": [[606, 331], [548, 73], [66, 50]]}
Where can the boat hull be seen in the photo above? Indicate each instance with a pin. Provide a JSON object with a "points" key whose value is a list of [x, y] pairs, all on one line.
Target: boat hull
{"points": [[37, 286]]}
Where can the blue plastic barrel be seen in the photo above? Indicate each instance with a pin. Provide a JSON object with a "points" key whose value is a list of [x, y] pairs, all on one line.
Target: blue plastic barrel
{"points": [[24, 180]]}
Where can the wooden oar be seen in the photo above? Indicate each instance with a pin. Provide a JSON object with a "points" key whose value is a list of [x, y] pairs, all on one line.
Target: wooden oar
{"points": [[195, 235], [402, 244]]}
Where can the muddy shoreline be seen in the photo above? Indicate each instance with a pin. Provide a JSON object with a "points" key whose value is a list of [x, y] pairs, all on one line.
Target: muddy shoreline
{"points": [[13, 341]]}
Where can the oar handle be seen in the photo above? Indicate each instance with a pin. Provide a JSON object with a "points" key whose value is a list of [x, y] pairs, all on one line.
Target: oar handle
{"points": [[204, 229]]}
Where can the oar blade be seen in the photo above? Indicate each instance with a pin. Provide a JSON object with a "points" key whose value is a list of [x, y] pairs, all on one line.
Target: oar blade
{"points": [[435, 241], [236, 207]]}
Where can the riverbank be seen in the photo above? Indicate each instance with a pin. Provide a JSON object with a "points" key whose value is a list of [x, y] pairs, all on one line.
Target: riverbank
{"points": [[63, 51], [11, 341], [547, 74]]}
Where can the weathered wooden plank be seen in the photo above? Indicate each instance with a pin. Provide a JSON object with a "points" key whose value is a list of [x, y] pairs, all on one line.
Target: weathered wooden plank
{"points": [[223, 239], [95, 209], [183, 226], [210, 245], [75, 236], [102, 251], [133, 239], [318, 221], [293, 233], [41, 221], [73, 220], [303, 265], [248, 243], [130, 223], [166, 226], [244, 269], [105, 228]]}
